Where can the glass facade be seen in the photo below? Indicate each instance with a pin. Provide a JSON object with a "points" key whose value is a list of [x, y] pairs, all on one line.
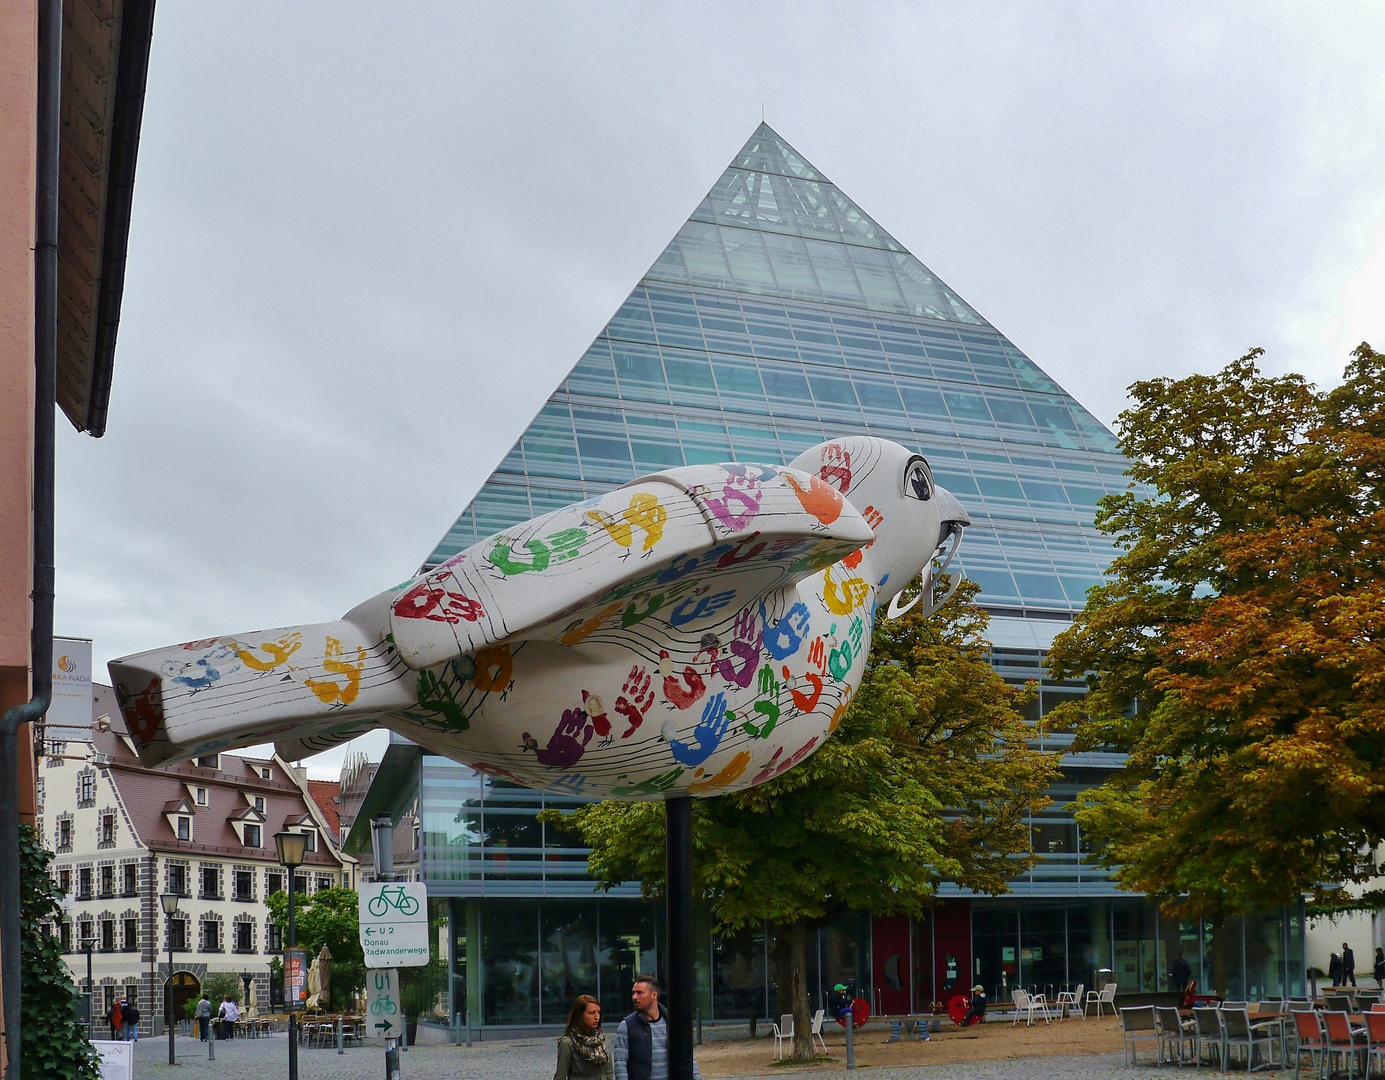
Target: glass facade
{"points": [[781, 315]]}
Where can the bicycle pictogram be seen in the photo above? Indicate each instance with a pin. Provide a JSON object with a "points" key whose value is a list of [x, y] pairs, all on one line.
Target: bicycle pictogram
{"points": [[383, 1006], [395, 898]]}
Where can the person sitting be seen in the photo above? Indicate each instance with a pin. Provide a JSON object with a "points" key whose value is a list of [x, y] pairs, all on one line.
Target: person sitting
{"points": [[978, 1006], [839, 1001]]}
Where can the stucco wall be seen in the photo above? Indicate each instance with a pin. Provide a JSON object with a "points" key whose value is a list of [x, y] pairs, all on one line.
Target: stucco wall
{"points": [[18, 103]]}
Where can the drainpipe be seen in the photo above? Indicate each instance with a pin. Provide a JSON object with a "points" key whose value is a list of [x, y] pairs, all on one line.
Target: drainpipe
{"points": [[41, 634]]}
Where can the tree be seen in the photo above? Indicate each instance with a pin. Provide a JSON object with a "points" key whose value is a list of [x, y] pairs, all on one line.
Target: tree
{"points": [[1236, 650], [55, 1046], [328, 917], [928, 777]]}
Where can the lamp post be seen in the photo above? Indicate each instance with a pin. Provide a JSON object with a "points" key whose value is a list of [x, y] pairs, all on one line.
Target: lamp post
{"points": [[169, 900], [292, 846], [89, 943]]}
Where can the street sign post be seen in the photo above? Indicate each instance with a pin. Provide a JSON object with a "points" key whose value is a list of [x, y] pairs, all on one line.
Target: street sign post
{"points": [[384, 1010], [394, 923]]}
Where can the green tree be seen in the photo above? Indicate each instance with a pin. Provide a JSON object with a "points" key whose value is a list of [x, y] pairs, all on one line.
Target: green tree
{"points": [[328, 917], [929, 777], [1235, 652], [55, 1046]]}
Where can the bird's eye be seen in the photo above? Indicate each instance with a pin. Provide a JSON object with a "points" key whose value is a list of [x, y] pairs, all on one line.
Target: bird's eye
{"points": [[917, 483]]}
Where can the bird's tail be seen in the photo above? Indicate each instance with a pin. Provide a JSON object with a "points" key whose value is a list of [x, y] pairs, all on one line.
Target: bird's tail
{"points": [[287, 685]]}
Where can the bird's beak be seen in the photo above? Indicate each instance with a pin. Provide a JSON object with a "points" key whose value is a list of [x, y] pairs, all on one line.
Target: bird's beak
{"points": [[953, 514]]}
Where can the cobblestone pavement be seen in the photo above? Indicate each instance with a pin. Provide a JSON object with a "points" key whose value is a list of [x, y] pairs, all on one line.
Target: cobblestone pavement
{"points": [[532, 1059]]}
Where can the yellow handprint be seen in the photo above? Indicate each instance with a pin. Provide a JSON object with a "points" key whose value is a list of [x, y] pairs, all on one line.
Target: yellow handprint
{"points": [[279, 651], [332, 692]]}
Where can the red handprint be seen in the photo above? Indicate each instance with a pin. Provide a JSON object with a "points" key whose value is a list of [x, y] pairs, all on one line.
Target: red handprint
{"points": [[802, 701], [817, 654], [635, 698], [836, 467], [675, 691], [426, 601]]}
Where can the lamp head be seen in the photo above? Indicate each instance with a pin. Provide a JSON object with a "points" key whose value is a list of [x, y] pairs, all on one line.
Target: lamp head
{"points": [[169, 900], [292, 846]]}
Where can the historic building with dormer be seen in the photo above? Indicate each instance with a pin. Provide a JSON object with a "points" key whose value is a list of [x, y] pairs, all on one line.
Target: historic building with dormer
{"points": [[204, 829]]}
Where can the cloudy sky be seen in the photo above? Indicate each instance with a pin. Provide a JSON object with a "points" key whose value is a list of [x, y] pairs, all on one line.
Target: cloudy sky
{"points": [[369, 240]]}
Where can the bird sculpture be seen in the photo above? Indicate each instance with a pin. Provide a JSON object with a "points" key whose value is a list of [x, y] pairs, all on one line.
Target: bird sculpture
{"points": [[696, 631]]}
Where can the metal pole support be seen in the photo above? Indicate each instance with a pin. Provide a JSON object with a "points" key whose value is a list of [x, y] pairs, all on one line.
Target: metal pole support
{"points": [[211, 1043], [850, 1041], [678, 819], [340, 1048], [391, 1059]]}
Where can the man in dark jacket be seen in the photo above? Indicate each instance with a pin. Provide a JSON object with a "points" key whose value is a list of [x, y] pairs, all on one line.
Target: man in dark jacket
{"points": [[642, 1038], [1348, 964], [1180, 974]]}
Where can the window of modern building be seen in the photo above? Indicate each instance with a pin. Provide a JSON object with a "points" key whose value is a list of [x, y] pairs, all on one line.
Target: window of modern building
{"points": [[252, 835], [245, 885], [129, 879], [245, 937], [211, 883], [184, 828], [131, 934], [84, 883]]}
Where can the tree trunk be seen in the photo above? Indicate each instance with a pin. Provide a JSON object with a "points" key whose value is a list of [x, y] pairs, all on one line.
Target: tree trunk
{"points": [[791, 975]]}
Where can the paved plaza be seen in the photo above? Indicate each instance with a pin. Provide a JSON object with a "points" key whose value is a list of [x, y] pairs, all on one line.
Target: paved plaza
{"points": [[533, 1059]]}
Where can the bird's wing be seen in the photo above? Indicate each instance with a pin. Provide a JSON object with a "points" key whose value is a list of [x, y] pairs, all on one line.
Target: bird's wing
{"points": [[689, 545]]}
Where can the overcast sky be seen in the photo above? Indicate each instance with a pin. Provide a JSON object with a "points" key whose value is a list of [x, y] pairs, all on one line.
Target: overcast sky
{"points": [[369, 240]]}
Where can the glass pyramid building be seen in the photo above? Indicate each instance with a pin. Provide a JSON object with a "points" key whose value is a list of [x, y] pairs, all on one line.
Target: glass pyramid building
{"points": [[782, 315]]}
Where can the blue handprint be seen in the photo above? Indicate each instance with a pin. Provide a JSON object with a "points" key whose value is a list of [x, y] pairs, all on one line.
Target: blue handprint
{"points": [[715, 720]]}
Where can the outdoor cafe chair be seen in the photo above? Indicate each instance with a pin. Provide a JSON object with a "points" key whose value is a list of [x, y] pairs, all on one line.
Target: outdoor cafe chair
{"points": [[1138, 1024], [1029, 1004], [783, 1033], [1106, 996], [1237, 1031], [1337, 1003], [1308, 1039], [1342, 1038], [1176, 1032], [816, 1032], [1070, 998], [1375, 1038], [1207, 1035], [1235, 1005]]}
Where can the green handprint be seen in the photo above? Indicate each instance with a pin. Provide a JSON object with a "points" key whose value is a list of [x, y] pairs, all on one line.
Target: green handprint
{"points": [[651, 786]]}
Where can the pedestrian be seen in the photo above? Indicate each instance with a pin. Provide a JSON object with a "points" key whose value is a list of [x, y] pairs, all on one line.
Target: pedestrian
{"points": [[642, 1038], [1334, 970], [228, 1015], [582, 1049], [114, 1019], [1348, 965], [1180, 974], [977, 1009], [204, 1016], [1379, 967], [129, 1019]]}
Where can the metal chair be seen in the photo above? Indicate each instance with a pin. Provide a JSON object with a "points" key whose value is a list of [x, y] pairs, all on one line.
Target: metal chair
{"points": [[1308, 1039], [1175, 1031], [783, 1032], [816, 1032], [1237, 1031], [1375, 1038], [1337, 1003], [1070, 998], [1138, 1025], [1029, 1004], [1207, 1035], [1106, 996], [1342, 1038]]}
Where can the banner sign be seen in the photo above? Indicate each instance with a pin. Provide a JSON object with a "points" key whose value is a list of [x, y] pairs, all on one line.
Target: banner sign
{"points": [[71, 705], [295, 979]]}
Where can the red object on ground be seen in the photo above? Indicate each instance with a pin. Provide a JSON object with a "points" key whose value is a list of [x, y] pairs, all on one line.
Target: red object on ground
{"points": [[958, 1008], [860, 1013]]}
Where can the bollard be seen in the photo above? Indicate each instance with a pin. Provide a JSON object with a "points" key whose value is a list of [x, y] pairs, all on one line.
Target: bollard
{"points": [[340, 1048], [699, 1025], [211, 1045], [850, 1041], [752, 1027], [468, 1026]]}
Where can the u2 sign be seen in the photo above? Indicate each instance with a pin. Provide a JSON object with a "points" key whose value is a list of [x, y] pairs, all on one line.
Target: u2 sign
{"points": [[394, 923]]}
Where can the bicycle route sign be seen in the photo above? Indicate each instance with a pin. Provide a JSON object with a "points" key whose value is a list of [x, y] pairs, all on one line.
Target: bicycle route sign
{"points": [[394, 923], [384, 1014]]}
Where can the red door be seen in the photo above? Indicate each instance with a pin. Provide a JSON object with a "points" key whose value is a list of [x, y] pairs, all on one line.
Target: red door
{"points": [[890, 966]]}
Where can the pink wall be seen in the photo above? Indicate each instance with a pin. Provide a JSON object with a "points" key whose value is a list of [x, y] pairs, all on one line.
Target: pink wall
{"points": [[18, 51]]}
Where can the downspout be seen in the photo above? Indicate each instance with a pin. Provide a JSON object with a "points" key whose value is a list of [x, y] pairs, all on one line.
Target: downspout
{"points": [[41, 633]]}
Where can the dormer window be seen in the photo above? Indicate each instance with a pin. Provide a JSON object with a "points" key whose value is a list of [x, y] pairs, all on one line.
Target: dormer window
{"points": [[311, 845], [184, 828], [267, 773], [210, 761], [259, 803], [201, 796], [252, 835]]}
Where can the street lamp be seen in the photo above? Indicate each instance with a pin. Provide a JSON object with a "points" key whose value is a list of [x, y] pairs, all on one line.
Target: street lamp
{"points": [[292, 847], [89, 943], [169, 900]]}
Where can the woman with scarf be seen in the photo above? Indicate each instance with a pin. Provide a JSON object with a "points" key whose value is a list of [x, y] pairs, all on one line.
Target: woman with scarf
{"points": [[582, 1049]]}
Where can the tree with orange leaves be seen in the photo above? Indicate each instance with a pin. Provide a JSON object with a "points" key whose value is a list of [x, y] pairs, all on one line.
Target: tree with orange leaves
{"points": [[1237, 650]]}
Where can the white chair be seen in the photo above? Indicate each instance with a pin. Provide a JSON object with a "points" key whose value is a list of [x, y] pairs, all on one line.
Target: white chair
{"points": [[1071, 998], [1106, 996], [817, 1029], [783, 1032], [1020, 998]]}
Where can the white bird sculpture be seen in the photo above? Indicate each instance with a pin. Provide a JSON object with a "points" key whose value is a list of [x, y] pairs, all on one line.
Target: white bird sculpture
{"points": [[696, 631]]}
